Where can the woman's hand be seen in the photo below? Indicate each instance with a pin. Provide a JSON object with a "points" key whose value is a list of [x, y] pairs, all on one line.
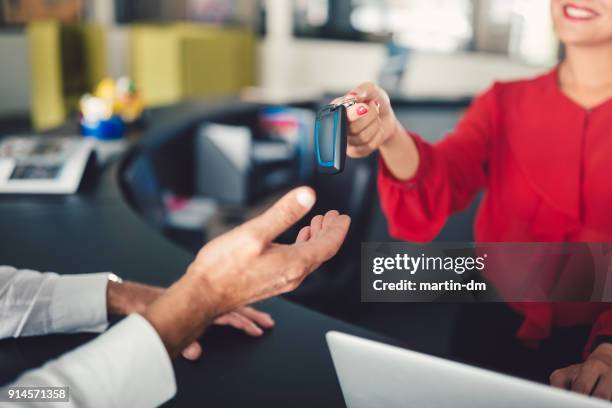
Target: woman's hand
{"points": [[373, 126], [593, 377], [372, 121], [130, 297]]}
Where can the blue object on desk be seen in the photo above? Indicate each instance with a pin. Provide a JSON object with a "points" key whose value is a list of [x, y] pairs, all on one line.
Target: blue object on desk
{"points": [[110, 129]]}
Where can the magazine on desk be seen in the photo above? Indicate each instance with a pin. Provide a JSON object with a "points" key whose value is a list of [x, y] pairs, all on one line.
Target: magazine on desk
{"points": [[43, 164]]}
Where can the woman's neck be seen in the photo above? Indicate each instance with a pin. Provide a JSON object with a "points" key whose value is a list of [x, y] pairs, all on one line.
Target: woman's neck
{"points": [[587, 67]]}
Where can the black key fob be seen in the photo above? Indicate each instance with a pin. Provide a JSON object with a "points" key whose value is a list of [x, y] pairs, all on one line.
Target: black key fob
{"points": [[331, 136]]}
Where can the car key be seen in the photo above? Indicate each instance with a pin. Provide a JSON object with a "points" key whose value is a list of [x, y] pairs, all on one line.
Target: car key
{"points": [[331, 136]]}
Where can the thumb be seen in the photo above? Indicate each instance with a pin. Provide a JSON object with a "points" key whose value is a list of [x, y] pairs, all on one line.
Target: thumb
{"points": [[282, 215]]}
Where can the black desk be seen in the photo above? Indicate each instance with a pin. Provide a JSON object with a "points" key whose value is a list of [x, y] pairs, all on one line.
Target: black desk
{"points": [[95, 231]]}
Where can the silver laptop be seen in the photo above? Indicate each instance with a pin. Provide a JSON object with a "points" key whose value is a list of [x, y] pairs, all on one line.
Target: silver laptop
{"points": [[378, 375]]}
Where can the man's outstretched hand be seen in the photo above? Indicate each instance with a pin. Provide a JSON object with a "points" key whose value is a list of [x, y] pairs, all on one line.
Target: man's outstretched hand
{"points": [[244, 266]]}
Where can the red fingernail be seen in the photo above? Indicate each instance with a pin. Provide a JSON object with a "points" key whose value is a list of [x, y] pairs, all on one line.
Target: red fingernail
{"points": [[352, 94], [362, 110]]}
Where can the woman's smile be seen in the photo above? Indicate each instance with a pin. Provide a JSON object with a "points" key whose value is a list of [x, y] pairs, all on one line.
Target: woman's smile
{"points": [[577, 13]]}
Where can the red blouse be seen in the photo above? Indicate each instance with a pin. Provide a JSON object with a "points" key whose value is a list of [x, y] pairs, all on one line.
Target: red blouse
{"points": [[544, 163]]}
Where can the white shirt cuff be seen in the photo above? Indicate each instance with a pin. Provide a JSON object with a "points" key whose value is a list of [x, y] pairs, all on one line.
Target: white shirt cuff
{"points": [[79, 303], [128, 366]]}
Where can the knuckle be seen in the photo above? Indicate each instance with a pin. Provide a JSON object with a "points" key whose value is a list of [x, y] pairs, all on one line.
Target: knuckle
{"points": [[359, 152], [605, 348], [299, 270], [367, 150], [286, 215], [252, 243], [369, 85], [353, 152], [593, 365], [555, 376], [581, 386], [374, 144], [196, 266], [364, 149], [316, 221], [294, 285], [604, 389]]}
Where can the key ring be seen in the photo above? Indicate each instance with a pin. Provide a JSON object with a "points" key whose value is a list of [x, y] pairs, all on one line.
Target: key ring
{"points": [[347, 102]]}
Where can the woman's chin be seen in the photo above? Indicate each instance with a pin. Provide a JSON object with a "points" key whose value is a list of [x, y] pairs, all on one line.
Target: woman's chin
{"points": [[584, 36], [574, 39]]}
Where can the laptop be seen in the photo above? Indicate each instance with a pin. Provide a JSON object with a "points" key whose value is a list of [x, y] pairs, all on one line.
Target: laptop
{"points": [[373, 374]]}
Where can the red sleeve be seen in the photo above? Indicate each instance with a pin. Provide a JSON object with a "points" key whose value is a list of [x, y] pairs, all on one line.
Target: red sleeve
{"points": [[601, 329], [450, 174]]}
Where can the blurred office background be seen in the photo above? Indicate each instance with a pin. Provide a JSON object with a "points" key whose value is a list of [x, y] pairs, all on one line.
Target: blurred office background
{"points": [[456, 47], [196, 61]]}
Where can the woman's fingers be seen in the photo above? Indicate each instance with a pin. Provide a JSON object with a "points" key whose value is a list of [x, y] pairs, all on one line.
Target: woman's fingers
{"points": [[370, 120], [378, 139], [360, 116], [263, 319], [358, 152], [193, 351], [603, 389], [365, 135], [364, 150], [588, 375], [564, 377]]}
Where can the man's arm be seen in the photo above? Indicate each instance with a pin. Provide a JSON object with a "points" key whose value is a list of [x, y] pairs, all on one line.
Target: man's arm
{"points": [[33, 303], [127, 366], [124, 367]]}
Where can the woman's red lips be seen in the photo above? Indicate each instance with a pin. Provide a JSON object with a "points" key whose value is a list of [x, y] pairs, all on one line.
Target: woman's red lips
{"points": [[574, 12]]}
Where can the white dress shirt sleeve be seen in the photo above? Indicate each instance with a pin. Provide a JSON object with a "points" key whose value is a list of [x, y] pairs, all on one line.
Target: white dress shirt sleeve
{"points": [[34, 303], [128, 366]]}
